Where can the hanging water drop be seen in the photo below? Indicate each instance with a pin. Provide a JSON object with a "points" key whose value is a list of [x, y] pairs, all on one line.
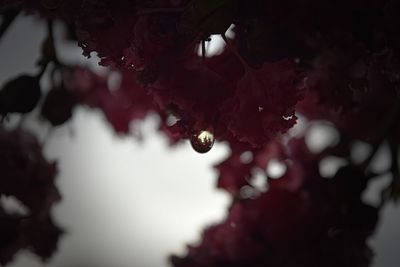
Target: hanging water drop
{"points": [[202, 141]]}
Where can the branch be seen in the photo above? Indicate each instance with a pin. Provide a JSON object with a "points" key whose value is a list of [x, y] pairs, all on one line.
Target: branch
{"points": [[387, 127], [8, 18]]}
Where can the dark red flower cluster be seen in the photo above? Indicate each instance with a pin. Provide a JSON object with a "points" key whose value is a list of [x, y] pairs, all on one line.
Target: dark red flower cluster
{"points": [[370, 105], [28, 177], [337, 61], [301, 220], [121, 105], [156, 42], [256, 77]]}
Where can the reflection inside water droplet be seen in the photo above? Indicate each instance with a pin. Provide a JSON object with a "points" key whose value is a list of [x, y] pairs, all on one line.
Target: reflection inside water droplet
{"points": [[202, 141]]}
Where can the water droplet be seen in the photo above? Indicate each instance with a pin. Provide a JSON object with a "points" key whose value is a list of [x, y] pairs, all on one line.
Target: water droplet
{"points": [[202, 141]]}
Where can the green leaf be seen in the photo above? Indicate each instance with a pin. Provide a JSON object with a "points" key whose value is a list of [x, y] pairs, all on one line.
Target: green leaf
{"points": [[392, 192]]}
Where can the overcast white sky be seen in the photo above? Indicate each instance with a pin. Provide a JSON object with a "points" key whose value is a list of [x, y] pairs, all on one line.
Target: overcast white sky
{"points": [[127, 203]]}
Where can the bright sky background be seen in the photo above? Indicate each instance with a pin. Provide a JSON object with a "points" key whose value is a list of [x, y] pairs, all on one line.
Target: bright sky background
{"points": [[130, 203]]}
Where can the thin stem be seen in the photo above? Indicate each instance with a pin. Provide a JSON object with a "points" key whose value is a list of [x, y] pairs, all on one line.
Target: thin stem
{"points": [[203, 49], [42, 70], [395, 156], [388, 125], [235, 52], [52, 42], [393, 190], [52, 57]]}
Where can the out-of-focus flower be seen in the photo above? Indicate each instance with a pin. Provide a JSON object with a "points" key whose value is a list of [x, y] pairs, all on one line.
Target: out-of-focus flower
{"points": [[29, 177], [318, 222], [121, 105]]}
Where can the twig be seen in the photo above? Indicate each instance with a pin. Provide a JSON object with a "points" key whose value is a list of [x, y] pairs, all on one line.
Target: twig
{"points": [[52, 41], [388, 125], [47, 59], [393, 190], [234, 51], [203, 49]]}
